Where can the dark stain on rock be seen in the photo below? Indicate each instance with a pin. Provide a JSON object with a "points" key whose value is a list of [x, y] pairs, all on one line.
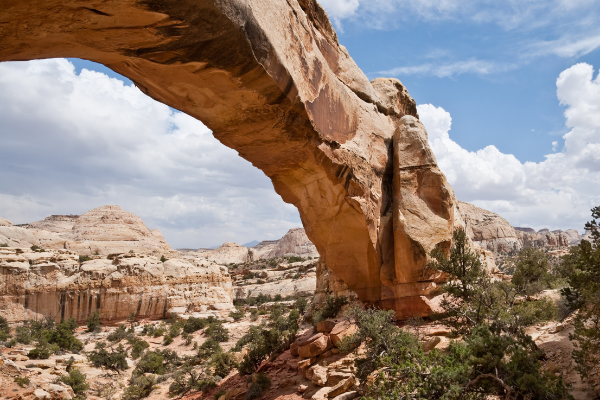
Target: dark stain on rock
{"points": [[331, 119]]}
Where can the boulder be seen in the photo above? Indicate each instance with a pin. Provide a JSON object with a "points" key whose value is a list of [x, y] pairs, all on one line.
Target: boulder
{"points": [[430, 344], [317, 374], [342, 387], [335, 377], [342, 330], [316, 347], [326, 326], [41, 394], [321, 394], [61, 391], [347, 396]]}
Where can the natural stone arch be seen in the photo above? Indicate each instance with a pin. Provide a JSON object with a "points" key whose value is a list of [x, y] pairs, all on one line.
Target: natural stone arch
{"points": [[272, 82]]}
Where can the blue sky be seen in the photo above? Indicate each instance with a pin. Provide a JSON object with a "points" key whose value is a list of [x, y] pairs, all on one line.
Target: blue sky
{"points": [[507, 90]]}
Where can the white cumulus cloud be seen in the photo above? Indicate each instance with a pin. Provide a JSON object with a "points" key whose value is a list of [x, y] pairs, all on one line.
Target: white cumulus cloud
{"points": [[557, 192], [71, 142]]}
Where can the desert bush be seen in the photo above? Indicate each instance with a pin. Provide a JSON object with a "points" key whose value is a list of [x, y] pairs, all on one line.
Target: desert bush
{"points": [[78, 382], [83, 259], [237, 314], [488, 363], [187, 338], [163, 258], [63, 336], [151, 362], [22, 381], [254, 314], [158, 332], [114, 360], [23, 334], [3, 244], [4, 329], [222, 363], [93, 322], [531, 273], [209, 347], [582, 269], [175, 329], [330, 309], [118, 334], [43, 350], [267, 339], [194, 324], [217, 331], [187, 379], [139, 387], [138, 348], [260, 383], [167, 340]]}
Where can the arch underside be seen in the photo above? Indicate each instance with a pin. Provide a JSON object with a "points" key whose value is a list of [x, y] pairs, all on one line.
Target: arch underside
{"points": [[271, 81]]}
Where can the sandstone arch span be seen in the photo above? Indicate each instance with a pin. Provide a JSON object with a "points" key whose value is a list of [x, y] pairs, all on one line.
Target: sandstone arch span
{"points": [[271, 80]]}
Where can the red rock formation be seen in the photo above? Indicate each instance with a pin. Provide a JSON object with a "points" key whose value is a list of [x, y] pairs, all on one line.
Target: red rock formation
{"points": [[271, 80]]}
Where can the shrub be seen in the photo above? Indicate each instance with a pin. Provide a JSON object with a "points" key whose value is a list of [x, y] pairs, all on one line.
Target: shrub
{"points": [[22, 381], [301, 304], [138, 348], [531, 274], [151, 362], [194, 324], [217, 331], [167, 340], [187, 379], [36, 248], [83, 259], [93, 322], [208, 348], [114, 360], [139, 387], [175, 329], [23, 334], [118, 334], [254, 314], [3, 244], [582, 266], [43, 350], [163, 258], [4, 329], [260, 383], [238, 314], [63, 336], [222, 363], [77, 380], [330, 309]]}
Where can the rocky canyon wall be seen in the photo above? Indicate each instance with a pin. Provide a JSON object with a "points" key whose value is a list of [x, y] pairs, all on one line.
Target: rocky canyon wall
{"points": [[272, 82], [53, 283]]}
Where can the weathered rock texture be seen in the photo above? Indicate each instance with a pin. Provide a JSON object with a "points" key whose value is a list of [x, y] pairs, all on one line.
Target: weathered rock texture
{"points": [[104, 230], [492, 232], [271, 80], [54, 284], [293, 243]]}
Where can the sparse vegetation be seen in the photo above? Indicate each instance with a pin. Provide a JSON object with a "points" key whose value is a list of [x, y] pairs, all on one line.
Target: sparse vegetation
{"points": [[22, 381], [83, 259], [4, 329], [139, 387], [163, 258], [114, 360], [260, 383], [93, 322], [581, 268], [237, 314], [330, 308], [3, 244], [78, 382]]}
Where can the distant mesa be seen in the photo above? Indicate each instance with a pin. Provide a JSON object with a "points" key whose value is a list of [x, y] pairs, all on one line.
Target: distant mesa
{"points": [[103, 230], [293, 243], [492, 232]]}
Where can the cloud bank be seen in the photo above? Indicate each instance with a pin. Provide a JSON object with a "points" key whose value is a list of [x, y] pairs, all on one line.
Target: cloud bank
{"points": [[556, 193], [69, 143]]}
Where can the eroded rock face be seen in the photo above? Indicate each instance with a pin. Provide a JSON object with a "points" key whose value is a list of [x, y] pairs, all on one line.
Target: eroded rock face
{"points": [[293, 243], [53, 284], [492, 232], [104, 230], [272, 82]]}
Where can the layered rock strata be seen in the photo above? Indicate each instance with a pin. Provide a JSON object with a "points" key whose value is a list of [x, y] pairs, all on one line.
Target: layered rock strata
{"points": [[272, 82], [54, 284], [492, 232], [104, 230]]}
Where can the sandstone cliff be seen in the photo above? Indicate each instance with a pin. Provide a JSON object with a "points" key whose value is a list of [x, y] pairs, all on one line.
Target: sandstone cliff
{"points": [[104, 230], [272, 82], [54, 284], [492, 232]]}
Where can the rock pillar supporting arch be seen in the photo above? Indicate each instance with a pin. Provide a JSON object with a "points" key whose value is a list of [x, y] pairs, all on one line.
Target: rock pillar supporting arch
{"points": [[271, 80]]}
